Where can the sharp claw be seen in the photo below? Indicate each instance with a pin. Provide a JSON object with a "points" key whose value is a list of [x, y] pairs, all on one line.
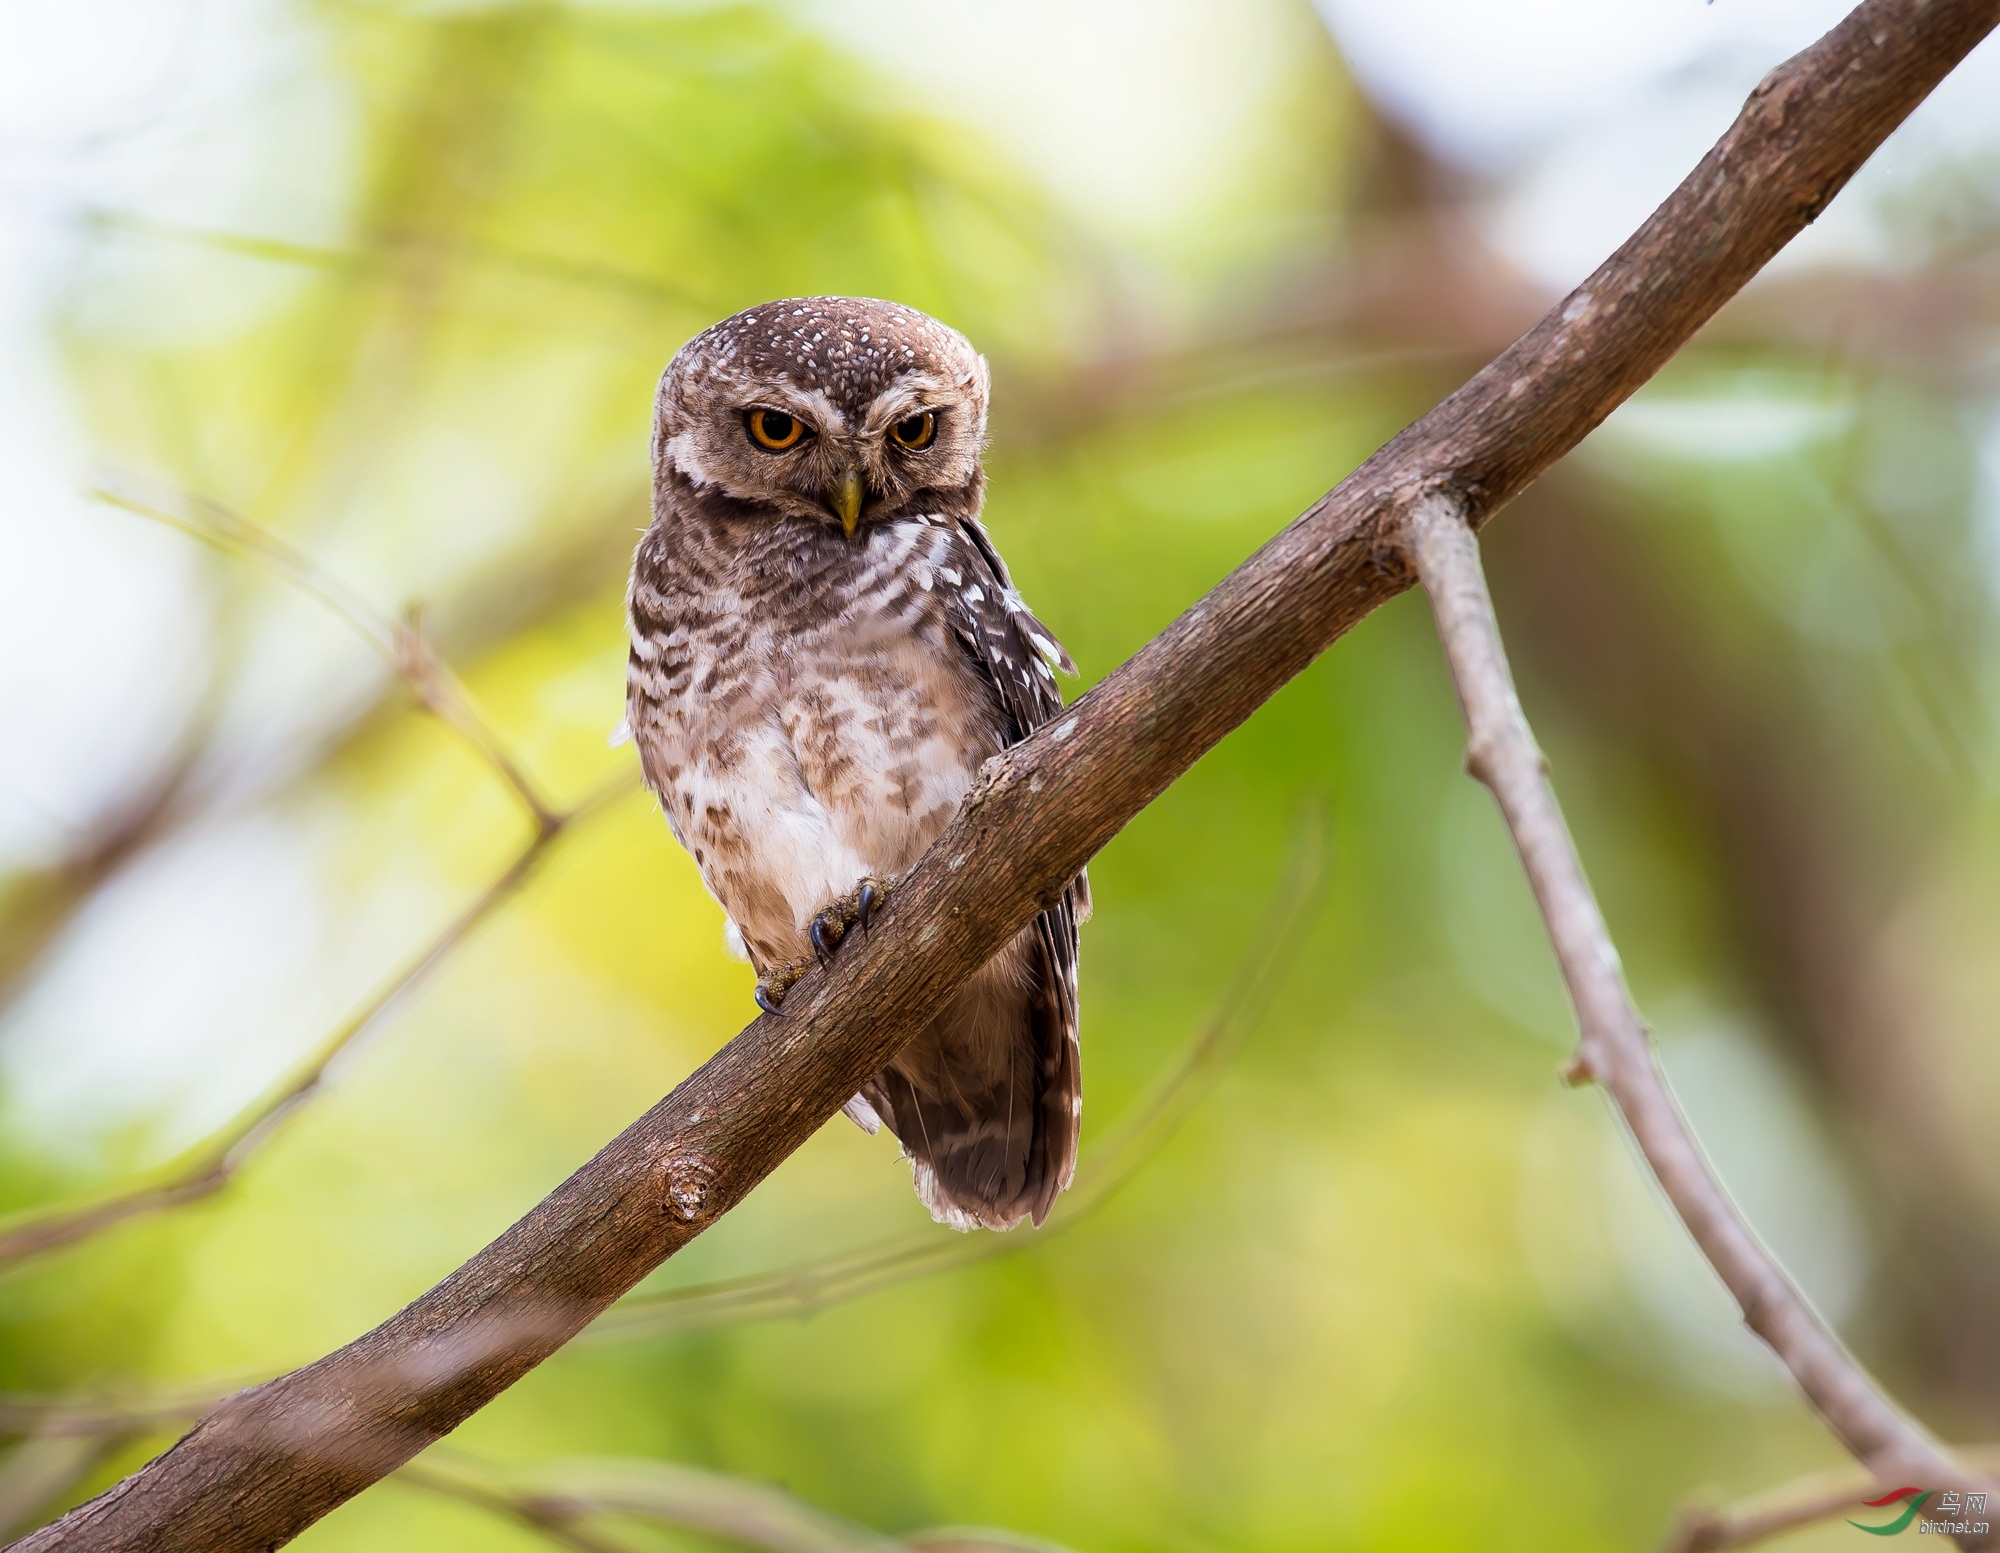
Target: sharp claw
{"points": [[767, 1003], [869, 903], [824, 940]]}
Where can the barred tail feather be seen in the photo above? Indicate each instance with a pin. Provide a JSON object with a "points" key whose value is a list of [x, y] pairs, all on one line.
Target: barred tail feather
{"points": [[986, 1101]]}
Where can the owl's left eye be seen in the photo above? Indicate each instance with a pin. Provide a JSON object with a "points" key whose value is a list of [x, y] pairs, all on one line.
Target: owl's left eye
{"points": [[915, 432]]}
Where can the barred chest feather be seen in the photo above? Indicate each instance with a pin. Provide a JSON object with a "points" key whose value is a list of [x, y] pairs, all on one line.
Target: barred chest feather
{"points": [[803, 707]]}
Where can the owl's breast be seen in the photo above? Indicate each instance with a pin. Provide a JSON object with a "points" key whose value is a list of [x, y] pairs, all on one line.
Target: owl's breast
{"points": [[804, 734]]}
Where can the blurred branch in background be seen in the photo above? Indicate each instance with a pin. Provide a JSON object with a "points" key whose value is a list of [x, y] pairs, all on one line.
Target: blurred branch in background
{"points": [[210, 1164], [35, 905], [400, 641], [575, 1504], [568, 1501]]}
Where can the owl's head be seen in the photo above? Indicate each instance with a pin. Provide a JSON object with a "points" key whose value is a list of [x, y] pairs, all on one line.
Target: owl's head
{"points": [[842, 411]]}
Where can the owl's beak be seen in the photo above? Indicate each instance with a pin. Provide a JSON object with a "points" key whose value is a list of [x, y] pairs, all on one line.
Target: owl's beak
{"points": [[844, 497]]}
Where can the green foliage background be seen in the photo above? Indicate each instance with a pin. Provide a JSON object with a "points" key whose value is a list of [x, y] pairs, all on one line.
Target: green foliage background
{"points": [[1390, 1286]]}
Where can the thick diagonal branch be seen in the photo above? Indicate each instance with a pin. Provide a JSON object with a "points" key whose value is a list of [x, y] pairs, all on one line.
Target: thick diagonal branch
{"points": [[274, 1459], [1614, 1047]]}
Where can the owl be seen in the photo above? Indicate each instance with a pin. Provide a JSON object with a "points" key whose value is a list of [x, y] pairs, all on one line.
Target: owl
{"points": [[825, 647]]}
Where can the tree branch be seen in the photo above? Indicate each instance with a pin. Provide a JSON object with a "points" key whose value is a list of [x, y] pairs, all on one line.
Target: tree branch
{"points": [[1615, 1049], [1709, 1529], [272, 1460], [806, 1287]]}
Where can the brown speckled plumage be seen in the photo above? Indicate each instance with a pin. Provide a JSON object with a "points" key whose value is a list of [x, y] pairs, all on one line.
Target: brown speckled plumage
{"points": [[810, 706]]}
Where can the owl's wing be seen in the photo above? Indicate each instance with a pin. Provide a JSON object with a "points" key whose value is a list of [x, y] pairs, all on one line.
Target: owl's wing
{"points": [[1019, 656], [1017, 652]]}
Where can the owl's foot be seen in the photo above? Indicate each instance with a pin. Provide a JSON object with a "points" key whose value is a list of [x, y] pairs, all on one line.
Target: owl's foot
{"points": [[775, 983], [858, 906], [869, 899]]}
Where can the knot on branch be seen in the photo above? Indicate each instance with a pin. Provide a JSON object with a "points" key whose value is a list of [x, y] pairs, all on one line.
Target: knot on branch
{"points": [[685, 1183]]}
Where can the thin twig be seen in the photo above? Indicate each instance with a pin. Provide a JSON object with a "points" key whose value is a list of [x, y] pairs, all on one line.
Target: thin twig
{"points": [[1775, 1512], [811, 1286], [210, 1164], [400, 641], [558, 1498], [269, 1462], [1614, 1048], [557, 1521]]}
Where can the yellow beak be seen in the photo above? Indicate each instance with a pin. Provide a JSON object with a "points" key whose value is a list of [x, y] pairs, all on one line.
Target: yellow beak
{"points": [[844, 497]]}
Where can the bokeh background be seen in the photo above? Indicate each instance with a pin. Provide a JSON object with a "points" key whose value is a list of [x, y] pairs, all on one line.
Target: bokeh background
{"points": [[391, 283]]}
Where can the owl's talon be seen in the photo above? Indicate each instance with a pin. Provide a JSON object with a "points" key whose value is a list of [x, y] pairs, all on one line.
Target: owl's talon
{"points": [[771, 988], [829, 929]]}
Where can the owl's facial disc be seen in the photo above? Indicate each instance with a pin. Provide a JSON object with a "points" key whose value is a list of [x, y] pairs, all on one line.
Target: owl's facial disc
{"points": [[851, 461], [824, 411]]}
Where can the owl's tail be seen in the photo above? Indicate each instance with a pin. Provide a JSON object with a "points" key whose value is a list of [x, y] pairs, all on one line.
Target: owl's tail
{"points": [[986, 1100]]}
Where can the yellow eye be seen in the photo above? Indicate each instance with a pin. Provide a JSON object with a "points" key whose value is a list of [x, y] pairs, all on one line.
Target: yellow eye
{"points": [[915, 432], [774, 430]]}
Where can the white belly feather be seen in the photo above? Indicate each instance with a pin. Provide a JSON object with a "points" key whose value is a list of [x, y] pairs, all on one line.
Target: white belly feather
{"points": [[829, 755]]}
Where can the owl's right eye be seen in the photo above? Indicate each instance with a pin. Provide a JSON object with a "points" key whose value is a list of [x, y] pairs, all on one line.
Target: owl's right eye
{"points": [[774, 430]]}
